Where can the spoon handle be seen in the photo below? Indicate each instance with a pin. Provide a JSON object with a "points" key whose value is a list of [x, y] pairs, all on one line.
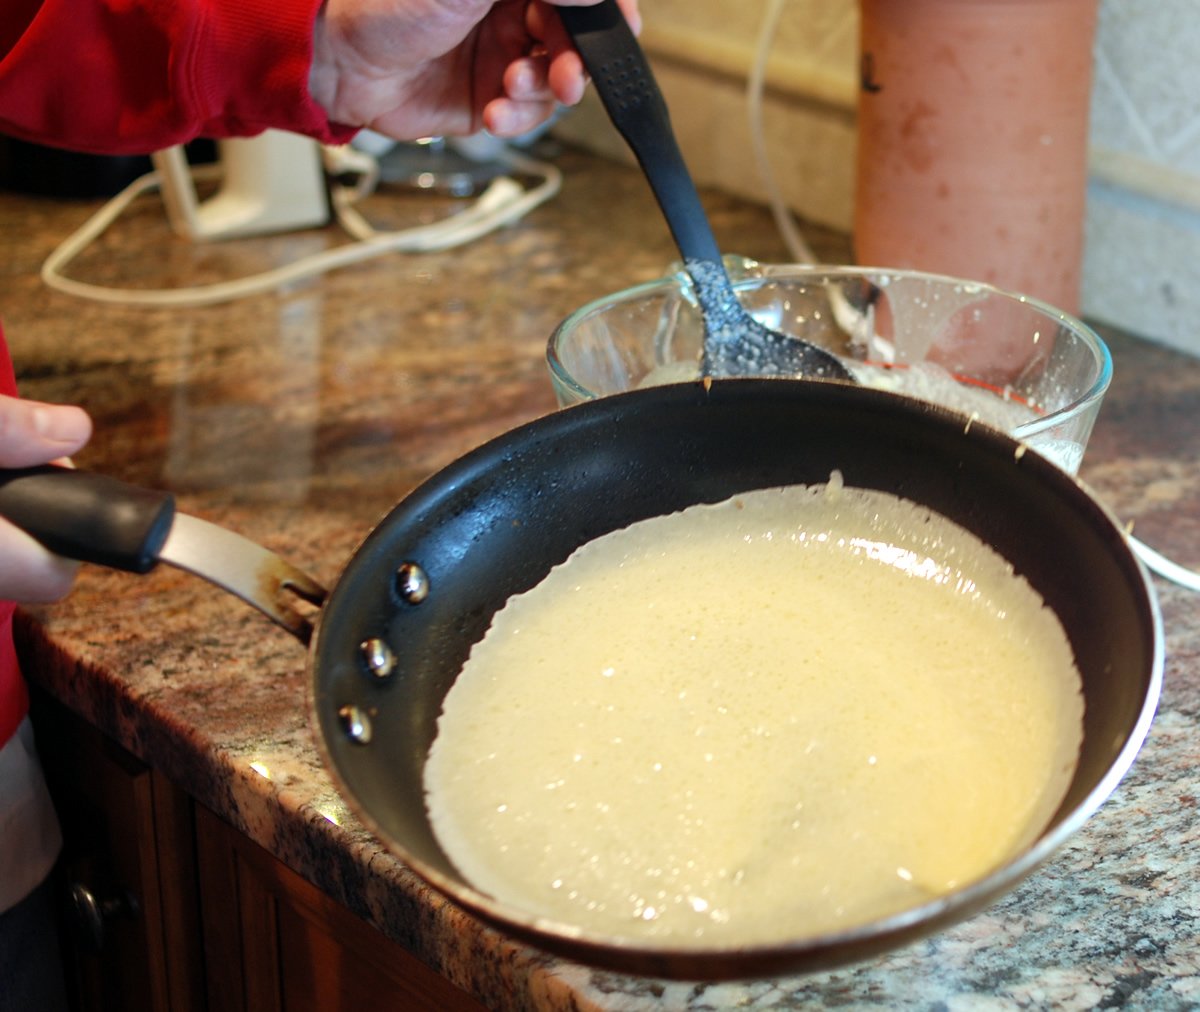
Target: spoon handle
{"points": [[626, 86]]}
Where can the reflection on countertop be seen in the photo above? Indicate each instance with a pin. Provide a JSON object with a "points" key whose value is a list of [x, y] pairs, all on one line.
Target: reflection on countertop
{"points": [[300, 418]]}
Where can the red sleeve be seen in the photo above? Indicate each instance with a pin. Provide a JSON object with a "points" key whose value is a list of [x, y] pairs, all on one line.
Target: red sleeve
{"points": [[135, 76], [8, 381]]}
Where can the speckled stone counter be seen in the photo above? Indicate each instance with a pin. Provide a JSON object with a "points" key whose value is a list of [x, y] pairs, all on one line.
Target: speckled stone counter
{"points": [[300, 417]]}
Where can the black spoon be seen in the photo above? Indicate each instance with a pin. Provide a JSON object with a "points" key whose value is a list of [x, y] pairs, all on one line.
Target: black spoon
{"points": [[735, 343]]}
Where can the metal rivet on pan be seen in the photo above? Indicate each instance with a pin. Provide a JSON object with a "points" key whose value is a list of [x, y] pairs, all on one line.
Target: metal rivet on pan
{"points": [[378, 657], [411, 583], [355, 723]]}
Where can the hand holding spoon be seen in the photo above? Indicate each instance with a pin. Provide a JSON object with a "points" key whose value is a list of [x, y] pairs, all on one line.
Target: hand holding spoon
{"points": [[735, 343]]}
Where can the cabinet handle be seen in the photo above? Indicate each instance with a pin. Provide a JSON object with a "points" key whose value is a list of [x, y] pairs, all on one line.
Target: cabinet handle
{"points": [[93, 915]]}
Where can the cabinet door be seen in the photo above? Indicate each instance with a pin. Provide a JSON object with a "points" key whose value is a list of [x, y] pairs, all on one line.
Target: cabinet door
{"points": [[276, 943], [129, 924]]}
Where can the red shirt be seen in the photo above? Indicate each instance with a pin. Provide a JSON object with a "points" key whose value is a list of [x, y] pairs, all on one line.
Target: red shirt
{"points": [[137, 76]]}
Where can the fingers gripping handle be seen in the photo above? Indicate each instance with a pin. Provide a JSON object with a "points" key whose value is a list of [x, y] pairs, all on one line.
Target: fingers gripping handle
{"points": [[89, 517]]}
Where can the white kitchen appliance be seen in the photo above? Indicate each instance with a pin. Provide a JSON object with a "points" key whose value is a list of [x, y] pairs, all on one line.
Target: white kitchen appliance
{"points": [[274, 182]]}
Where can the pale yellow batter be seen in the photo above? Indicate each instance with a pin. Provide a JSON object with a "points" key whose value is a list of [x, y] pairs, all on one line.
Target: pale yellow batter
{"points": [[793, 712]]}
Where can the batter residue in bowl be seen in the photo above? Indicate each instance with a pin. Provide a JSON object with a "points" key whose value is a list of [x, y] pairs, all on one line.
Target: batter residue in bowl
{"points": [[793, 712]]}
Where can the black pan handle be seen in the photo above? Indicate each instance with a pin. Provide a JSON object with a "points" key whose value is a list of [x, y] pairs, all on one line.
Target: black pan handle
{"points": [[89, 517], [626, 86]]}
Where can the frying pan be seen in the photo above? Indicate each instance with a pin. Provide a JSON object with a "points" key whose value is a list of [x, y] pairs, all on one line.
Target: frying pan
{"points": [[422, 588]]}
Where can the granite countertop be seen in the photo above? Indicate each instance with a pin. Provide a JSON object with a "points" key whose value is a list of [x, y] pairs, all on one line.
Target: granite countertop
{"points": [[299, 418]]}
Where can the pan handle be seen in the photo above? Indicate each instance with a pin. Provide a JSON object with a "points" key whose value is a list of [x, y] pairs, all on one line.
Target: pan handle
{"points": [[96, 518], [89, 517]]}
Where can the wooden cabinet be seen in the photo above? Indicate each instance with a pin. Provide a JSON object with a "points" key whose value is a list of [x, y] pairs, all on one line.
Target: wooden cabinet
{"points": [[126, 880], [277, 943], [175, 911]]}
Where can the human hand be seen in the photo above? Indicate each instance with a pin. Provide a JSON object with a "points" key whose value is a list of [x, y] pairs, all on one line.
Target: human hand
{"points": [[418, 68], [35, 433]]}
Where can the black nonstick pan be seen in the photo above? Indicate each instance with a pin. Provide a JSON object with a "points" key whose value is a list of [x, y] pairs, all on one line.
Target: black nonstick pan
{"points": [[392, 635]]}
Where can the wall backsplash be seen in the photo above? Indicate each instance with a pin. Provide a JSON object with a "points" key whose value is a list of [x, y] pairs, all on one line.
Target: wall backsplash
{"points": [[1142, 268], [1142, 265], [703, 51]]}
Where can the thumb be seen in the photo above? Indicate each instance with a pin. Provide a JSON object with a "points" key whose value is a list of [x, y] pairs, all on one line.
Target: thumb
{"points": [[32, 432]]}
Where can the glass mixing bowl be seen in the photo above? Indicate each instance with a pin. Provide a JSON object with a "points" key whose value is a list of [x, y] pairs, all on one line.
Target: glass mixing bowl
{"points": [[1003, 359]]}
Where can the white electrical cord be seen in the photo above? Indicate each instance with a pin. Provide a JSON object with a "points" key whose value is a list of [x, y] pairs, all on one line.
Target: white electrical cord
{"points": [[1163, 566], [800, 252], [503, 202], [798, 249]]}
